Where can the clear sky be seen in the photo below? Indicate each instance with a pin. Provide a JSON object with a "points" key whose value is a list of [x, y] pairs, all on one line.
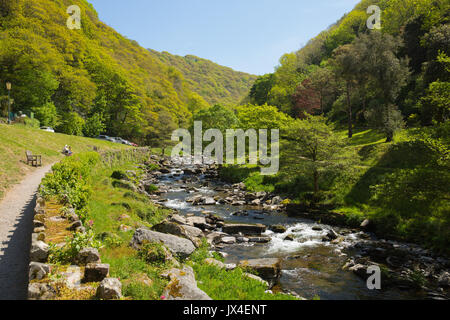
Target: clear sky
{"points": [[246, 35]]}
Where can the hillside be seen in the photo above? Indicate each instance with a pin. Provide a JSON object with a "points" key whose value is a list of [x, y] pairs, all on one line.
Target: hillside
{"points": [[215, 83], [95, 75], [15, 140]]}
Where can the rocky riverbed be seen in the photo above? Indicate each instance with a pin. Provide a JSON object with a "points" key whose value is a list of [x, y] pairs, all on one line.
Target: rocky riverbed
{"points": [[293, 254]]}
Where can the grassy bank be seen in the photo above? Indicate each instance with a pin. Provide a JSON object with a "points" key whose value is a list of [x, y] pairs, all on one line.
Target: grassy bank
{"points": [[16, 139], [401, 186]]}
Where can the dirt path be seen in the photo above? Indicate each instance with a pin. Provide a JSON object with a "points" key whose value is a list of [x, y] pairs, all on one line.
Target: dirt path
{"points": [[16, 225]]}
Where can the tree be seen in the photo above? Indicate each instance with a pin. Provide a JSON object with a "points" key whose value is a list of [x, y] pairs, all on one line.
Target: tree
{"points": [[71, 124], [161, 136], [387, 74], [94, 125], [347, 65], [217, 117], [259, 93], [313, 144], [47, 115]]}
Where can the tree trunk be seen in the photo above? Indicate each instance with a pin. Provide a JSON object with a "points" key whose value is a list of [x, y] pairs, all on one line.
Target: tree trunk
{"points": [[349, 107], [316, 182]]}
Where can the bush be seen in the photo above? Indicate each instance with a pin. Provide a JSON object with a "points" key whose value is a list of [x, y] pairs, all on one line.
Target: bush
{"points": [[46, 114], [94, 126], [73, 246], [69, 181], [154, 253], [71, 124], [32, 123]]}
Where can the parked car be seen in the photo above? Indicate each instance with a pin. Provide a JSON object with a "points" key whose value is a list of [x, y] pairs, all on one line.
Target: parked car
{"points": [[103, 137], [48, 129]]}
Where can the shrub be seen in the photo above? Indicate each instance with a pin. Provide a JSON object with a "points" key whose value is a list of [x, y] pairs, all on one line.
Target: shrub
{"points": [[73, 246], [154, 253]]}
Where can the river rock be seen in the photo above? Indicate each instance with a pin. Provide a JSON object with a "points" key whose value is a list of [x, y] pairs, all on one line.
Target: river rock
{"points": [[269, 268], [214, 262], [88, 255], [254, 277], [228, 240], [39, 251], [110, 289], [38, 271], [180, 246], [259, 239], [245, 229], [278, 229], [192, 233], [183, 286]]}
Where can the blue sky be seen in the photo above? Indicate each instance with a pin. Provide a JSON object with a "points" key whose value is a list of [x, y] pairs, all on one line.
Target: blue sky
{"points": [[246, 35]]}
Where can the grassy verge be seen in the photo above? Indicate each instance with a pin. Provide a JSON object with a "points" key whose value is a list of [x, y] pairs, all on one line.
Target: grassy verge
{"points": [[16, 139], [220, 284]]}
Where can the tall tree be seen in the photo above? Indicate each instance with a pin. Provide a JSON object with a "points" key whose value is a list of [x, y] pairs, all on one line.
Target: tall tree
{"points": [[387, 75], [347, 66]]}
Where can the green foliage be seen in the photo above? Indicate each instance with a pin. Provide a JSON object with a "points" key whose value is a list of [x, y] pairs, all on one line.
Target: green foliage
{"points": [[153, 253], [46, 114], [216, 84], [32, 123], [69, 180], [259, 93], [94, 126], [68, 253], [71, 124], [217, 117]]}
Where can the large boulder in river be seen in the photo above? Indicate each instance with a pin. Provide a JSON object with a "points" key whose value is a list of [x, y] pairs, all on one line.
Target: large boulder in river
{"points": [[269, 269], [180, 246], [246, 229], [182, 286], [192, 233]]}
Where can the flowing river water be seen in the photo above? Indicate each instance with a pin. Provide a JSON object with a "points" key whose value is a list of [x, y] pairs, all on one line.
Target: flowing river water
{"points": [[310, 267]]}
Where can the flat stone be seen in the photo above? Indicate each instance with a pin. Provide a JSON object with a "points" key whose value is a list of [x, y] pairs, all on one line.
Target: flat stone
{"points": [[269, 268], [95, 272], [180, 246], [228, 240], [278, 229], [88, 255], [245, 229]]}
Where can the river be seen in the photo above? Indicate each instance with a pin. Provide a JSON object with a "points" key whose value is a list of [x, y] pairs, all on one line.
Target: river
{"points": [[310, 267]]}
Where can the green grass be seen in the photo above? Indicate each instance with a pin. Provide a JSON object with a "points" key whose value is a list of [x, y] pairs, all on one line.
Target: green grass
{"points": [[220, 284], [16, 139]]}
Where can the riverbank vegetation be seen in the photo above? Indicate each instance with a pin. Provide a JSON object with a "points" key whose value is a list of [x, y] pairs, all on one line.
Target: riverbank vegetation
{"points": [[110, 213]]}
